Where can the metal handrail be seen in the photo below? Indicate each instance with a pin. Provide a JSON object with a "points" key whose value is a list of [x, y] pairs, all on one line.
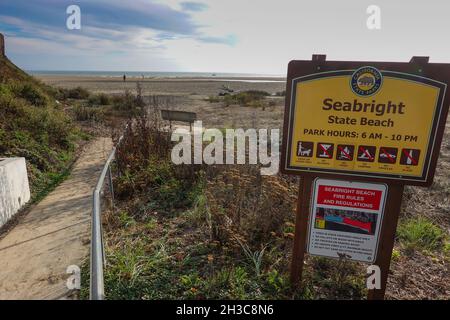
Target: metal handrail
{"points": [[98, 258]]}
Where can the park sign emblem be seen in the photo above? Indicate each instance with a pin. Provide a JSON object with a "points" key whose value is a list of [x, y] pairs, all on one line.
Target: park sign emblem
{"points": [[357, 133], [366, 81]]}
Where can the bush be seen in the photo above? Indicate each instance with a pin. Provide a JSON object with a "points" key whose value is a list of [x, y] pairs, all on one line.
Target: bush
{"points": [[246, 205], [84, 113], [32, 93], [250, 98], [144, 166], [43, 135], [77, 93], [100, 100], [128, 103], [213, 99], [420, 233]]}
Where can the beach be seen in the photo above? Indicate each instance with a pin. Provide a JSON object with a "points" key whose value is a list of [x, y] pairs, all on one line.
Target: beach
{"points": [[191, 94], [159, 85]]}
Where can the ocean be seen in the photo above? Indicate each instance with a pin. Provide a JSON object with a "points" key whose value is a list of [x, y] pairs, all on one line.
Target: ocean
{"points": [[152, 74]]}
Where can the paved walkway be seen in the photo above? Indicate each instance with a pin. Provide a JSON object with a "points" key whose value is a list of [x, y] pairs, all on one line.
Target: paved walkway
{"points": [[55, 234]]}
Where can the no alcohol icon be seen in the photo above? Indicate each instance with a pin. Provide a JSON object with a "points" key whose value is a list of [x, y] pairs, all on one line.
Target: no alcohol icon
{"points": [[325, 150], [410, 157]]}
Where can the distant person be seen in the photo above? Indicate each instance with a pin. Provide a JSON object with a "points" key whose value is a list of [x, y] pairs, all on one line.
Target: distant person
{"points": [[124, 78]]}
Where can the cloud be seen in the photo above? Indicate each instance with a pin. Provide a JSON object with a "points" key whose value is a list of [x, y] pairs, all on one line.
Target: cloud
{"points": [[111, 13], [114, 34], [108, 19], [230, 40], [193, 6]]}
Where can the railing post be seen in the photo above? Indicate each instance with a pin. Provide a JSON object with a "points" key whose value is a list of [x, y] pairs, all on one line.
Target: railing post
{"points": [[96, 276], [111, 187]]}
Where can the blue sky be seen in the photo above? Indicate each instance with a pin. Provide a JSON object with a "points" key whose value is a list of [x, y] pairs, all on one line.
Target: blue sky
{"points": [[254, 36]]}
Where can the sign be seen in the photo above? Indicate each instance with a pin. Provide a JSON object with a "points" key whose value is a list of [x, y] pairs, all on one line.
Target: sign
{"points": [[375, 121], [366, 122], [173, 115], [345, 219]]}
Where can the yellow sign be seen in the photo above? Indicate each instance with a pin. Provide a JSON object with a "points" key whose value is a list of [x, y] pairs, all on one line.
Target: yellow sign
{"points": [[364, 122]]}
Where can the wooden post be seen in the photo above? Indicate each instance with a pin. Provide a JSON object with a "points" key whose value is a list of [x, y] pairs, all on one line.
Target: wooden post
{"points": [[387, 235], [301, 229]]}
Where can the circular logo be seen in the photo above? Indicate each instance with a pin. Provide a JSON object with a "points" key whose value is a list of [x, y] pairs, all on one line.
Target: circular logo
{"points": [[366, 81]]}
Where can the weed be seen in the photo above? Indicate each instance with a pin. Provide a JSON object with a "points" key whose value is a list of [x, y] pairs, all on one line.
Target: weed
{"points": [[213, 99], [250, 98], [338, 279], [420, 234], [254, 257], [125, 219], [99, 100], [395, 254], [78, 93], [32, 93], [84, 113]]}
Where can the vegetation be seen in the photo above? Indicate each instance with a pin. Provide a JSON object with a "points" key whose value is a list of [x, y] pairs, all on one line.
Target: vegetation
{"points": [[87, 113], [419, 233], [102, 108], [78, 93], [205, 232], [250, 98], [99, 100], [33, 125]]}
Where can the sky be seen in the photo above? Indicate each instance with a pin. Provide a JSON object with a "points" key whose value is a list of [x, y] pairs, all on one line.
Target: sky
{"points": [[238, 36]]}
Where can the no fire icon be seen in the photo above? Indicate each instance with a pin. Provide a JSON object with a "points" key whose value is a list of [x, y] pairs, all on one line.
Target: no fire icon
{"points": [[345, 152]]}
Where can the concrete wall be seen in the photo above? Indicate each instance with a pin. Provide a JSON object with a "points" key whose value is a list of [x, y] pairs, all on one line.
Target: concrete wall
{"points": [[2, 45], [14, 187]]}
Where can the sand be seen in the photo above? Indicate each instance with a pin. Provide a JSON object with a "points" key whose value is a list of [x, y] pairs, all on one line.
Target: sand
{"points": [[201, 86], [190, 94]]}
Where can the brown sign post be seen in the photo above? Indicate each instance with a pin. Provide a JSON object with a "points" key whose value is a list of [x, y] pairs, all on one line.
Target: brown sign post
{"points": [[357, 133]]}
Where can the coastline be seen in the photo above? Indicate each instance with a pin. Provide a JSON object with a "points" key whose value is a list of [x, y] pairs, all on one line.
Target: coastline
{"points": [[165, 85]]}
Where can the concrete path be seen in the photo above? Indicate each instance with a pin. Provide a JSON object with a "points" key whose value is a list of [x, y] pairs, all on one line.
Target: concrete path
{"points": [[55, 234]]}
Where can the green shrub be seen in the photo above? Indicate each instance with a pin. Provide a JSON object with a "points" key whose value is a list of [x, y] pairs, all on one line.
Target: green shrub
{"points": [[99, 100], [229, 100], [250, 98], [213, 99], [31, 126], [5, 92], [77, 93], [126, 102], [420, 233], [33, 94], [26, 90], [84, 113]]}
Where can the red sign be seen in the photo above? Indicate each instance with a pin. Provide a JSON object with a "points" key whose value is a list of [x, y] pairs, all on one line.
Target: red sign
{"points": [[349, 197]]}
